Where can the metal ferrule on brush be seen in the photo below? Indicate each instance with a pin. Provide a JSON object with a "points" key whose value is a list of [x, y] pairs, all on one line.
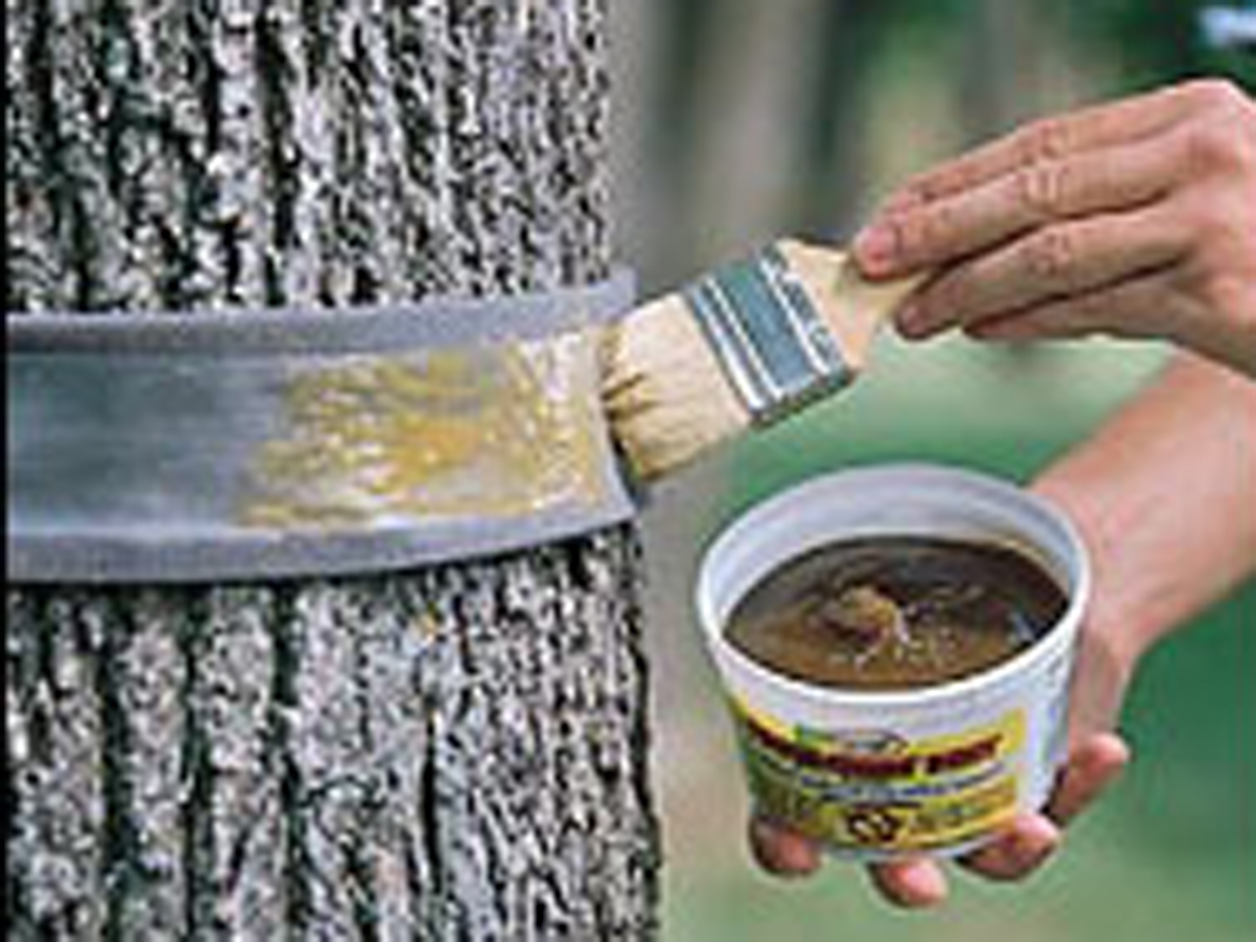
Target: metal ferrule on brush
{"points": [[772, 343]]}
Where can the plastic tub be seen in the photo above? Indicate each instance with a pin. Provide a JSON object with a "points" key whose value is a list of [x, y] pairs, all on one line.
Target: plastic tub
{"points": [[874, 775]]}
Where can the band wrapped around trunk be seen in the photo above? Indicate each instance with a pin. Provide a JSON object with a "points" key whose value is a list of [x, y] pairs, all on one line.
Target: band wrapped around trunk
{"points": [[229, 446]]}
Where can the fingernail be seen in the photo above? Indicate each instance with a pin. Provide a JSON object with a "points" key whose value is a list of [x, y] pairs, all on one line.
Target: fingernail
{"points": [[1032, 843], [802, 859], [910, 321], [921, 885], [1037, 835], [874, 249], [781, 852]]}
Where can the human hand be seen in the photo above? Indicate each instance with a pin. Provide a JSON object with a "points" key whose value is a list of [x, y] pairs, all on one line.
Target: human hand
{"points": [[1096, 758], [1136, 218], [1106, 659]]}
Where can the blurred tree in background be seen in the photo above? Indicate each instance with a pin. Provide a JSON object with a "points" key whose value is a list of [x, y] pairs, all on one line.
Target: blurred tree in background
{"points": [[1155, 42]]}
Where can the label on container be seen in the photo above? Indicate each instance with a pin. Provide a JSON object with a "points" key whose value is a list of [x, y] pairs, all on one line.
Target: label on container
{"points": [[871, 789]]}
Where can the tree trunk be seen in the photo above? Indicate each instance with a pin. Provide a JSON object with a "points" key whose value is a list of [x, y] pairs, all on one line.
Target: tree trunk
{"points": [[457, 752]]}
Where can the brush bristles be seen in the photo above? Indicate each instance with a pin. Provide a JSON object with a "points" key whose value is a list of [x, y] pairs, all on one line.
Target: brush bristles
{"points": [[664, 391]]}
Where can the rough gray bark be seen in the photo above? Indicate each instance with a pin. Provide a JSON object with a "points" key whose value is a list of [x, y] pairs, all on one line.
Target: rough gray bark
{"points": [[452, 753]]}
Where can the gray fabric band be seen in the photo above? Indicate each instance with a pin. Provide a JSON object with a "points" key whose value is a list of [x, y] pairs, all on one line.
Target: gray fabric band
{"points": [[232, 446]]}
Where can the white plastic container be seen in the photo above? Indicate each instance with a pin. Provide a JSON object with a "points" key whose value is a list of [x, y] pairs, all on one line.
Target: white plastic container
{"points": [[883, 774]]}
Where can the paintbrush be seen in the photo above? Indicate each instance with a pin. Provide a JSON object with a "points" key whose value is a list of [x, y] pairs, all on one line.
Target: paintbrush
{"points": [[744, 346]]}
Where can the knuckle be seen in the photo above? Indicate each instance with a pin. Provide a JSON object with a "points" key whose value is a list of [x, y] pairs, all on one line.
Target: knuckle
{"points": [[1044, 141], [1050, 256], [900, 231], [1219, 273], [1220, 289], [932, 186], [1214, 145], [948, 296], [1042, 187], [915, 193], [1217, 95], [1214, 225], [920, 233], [1090, 311], [1217, 291]]}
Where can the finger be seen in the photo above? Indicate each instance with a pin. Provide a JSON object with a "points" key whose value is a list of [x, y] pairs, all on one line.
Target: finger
{"points": [[1086, 129], [1092, 768], [782, 852], [1144, 305], [1035, 194], [1017, 852], [912, 884], [1057, 261]]}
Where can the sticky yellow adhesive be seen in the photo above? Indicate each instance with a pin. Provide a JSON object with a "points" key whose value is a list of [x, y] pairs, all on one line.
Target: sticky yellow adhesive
{"points": [[386, 440]]}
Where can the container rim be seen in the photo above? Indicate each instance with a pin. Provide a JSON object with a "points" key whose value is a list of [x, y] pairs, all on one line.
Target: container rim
{"points": [[922, 474]]}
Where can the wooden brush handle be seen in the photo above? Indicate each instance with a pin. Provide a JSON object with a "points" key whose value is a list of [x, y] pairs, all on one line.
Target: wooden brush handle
{"points": [[853, 308]]}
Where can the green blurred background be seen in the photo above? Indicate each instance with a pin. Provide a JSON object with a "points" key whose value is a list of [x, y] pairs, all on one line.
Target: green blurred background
{"points": [[740, 120]]}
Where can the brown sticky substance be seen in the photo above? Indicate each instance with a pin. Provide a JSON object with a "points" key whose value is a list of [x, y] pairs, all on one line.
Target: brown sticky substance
{"points": [[896, 612]]}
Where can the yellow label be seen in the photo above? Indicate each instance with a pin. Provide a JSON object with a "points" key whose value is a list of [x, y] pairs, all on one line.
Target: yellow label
{"points": [[872, 789]]}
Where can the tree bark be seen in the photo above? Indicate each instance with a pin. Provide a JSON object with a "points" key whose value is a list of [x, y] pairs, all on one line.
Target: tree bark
{"points": [[457, 752]]}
